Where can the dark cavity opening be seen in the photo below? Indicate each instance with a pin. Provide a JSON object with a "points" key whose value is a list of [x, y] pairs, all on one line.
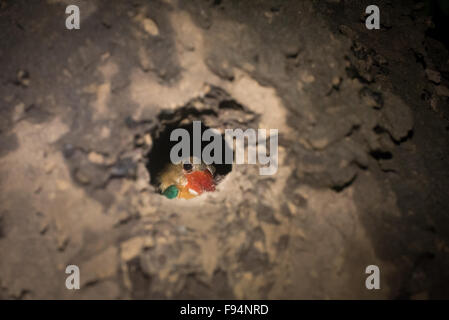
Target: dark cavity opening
{"points": [[159, 156]]}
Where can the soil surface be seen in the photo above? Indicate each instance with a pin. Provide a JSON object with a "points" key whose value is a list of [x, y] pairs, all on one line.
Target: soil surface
{"points": [[363, 175]]}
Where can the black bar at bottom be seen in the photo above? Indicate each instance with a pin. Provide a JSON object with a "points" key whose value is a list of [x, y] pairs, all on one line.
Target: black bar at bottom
{"points": [[224, 309]]}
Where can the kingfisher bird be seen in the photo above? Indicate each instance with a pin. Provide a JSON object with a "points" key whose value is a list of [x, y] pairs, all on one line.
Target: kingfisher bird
{"points": [[186, 180]]}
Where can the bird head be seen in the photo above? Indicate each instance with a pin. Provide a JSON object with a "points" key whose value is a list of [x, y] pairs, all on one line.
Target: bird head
{"points": [[186, 180]]}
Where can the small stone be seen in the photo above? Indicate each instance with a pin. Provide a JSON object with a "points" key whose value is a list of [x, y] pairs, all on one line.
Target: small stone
{"points": [[433, 76], [148, 139], [105, 132], [319, 143], [336, 81], [397, 117], [292, 208], [95, 157], [150, 27], [307, 77]]}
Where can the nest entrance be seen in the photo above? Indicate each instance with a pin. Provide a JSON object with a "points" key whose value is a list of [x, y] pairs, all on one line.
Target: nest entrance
{"points": [[215, 110], [159, 156]]}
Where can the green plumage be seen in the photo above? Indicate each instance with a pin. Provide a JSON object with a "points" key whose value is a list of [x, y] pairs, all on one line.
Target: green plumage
{"points": [[171, 192]]}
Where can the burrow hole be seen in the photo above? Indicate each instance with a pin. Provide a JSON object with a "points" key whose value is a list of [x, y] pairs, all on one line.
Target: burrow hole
{"points": [[215, 110], [159, 156]]}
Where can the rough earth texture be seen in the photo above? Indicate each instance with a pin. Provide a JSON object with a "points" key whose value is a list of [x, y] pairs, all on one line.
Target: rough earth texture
{"points": [[363, 174]]}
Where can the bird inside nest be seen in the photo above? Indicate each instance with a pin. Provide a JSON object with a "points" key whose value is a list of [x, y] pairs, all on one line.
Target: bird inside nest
{"points": [[186, 180]]}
